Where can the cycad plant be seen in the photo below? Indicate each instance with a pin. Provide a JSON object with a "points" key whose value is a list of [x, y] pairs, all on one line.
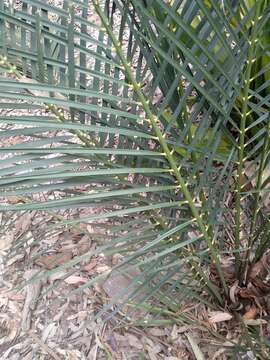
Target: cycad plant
{"points": [[150, 111]]}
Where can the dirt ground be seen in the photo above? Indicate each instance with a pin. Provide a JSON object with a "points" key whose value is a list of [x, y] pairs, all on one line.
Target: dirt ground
{"points": [[49, 319]]}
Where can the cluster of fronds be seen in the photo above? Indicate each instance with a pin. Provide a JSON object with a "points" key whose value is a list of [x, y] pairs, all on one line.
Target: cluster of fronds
{"points": [[157, 105]]}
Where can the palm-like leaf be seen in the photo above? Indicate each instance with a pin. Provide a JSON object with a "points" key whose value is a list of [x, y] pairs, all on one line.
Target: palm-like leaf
{"points": [[145, 97]]}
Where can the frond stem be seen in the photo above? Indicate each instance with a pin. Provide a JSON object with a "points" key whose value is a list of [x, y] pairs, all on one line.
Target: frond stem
{"points": [[161, 137], [244, 114]]}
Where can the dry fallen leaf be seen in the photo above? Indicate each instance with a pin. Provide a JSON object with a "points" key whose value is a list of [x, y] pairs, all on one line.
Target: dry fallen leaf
{"points": [[255, 322], [91, 265], [83, 245], [157, 332], [234, 289], [52, 261], [75, 279], [15, 199], [258, 284], [219, 316], [23, 223], [9, 328], [15, 296], [15, 259], [6, 241], [134, 341], [260, 268], [251, 313]]}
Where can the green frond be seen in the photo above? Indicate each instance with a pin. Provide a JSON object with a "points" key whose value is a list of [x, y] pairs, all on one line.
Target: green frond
{"points": [[145, 114]]}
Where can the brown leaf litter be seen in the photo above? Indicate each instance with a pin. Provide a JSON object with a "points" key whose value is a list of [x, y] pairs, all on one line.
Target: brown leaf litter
{"points": [[249, 301], [40, 323], [54, 260]]}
